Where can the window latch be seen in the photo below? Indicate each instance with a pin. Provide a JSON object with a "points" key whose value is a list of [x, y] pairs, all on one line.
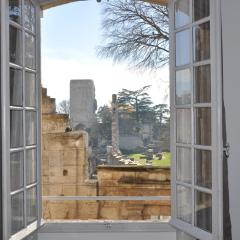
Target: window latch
{"points": [[108, 225], [226, 150]]}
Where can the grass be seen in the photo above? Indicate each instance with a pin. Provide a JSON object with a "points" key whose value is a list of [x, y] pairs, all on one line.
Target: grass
{"points": [[165, 162]]}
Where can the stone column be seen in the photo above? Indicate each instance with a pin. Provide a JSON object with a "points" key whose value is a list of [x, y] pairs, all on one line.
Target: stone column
{"points": [[115, 126]]}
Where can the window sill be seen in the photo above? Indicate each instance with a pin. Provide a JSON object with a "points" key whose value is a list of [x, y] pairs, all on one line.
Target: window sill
{"points": [[107, 230], [69, 226]]}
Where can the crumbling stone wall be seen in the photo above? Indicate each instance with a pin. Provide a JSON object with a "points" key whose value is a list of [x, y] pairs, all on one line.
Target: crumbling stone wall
{"points": [[64, 165], [48, 104], [64, 173], [133, 181]]}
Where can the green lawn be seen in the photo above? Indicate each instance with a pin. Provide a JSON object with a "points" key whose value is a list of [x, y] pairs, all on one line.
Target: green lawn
{"points": [[165, 162]]}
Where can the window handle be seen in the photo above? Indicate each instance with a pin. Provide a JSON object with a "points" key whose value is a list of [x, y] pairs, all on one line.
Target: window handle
{"points": [[226, 150]]}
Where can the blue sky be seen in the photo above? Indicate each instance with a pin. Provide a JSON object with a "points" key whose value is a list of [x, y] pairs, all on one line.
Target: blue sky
{"points": [[70, 36]]}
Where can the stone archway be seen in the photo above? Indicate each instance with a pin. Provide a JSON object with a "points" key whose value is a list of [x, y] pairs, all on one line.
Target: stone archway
{"points": [[46, 4]]}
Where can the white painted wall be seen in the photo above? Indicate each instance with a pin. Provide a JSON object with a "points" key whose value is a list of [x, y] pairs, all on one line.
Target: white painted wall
{"points": [[231, 75]]}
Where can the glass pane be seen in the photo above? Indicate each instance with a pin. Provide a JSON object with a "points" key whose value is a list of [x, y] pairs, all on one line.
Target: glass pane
{"points": [[15, 45], [31, 205], [202, 42], [183, 87], [29, 51], [201, 9], [203, 84], [16, 87], [184, 236], [16, 129], [182, 48], [184, 203], [203, 208], [15, 11], [30, 92], [16, 169], [184, 164], [182, 13], [29, 14], [17, 222], [31, 166], [30, 127], [203, 161], [184, 126], [203, 126]]}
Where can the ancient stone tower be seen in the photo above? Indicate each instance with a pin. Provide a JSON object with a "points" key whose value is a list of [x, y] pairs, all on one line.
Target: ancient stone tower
{"points": [[82, 103]]}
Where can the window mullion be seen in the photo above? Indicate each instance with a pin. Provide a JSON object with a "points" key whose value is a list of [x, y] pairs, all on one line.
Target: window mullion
{"points": [[24, 113]]}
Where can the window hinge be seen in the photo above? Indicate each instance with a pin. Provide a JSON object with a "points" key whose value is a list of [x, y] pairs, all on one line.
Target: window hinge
{"points": [[226, 150]]}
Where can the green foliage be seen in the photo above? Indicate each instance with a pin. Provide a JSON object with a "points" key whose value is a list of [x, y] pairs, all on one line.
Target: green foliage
{"points": [[164, 162], [137, 103]]}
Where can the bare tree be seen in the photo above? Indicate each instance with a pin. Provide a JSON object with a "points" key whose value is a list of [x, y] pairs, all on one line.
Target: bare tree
{"points": [[136, 32], [64, 107]]}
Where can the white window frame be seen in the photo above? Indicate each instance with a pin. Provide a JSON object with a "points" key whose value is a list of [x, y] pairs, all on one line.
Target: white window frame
{"points": [[5, 118], [217, 143]]}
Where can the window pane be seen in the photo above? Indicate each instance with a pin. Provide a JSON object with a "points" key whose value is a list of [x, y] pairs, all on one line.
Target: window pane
{"points": [[182, 13], [203, 161], [203, 215], [31, 205], [16, 87], [29, 51], [203, 84], [31, 167], [15, 45], [30, 93], [182, 48], [16, 169], [16, 129], [15, 11], [30, 127], [203, 126], [202, 42], [184, 164], [17, 213], [184, 126], [29, 14], [183, 87], [184, 203], [201, 9]]}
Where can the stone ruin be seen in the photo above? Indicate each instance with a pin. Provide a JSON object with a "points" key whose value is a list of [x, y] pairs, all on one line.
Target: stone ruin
{"points": [[82, 104], [65, 173]]}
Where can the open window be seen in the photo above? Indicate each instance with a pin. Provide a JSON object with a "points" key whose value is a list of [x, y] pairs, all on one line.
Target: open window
{"points": [[196, 119], [20, 116]]}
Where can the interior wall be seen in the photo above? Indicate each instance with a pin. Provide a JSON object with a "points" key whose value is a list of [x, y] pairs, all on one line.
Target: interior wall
{"points": [[1, 216], [231, 81]]}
